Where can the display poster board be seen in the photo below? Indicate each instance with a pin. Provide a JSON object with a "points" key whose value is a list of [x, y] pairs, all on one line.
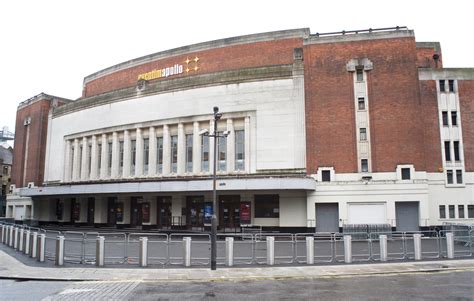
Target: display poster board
{"points": [[119, 211], [207, 212], [245, 213], [145, 212], [77, 211]]}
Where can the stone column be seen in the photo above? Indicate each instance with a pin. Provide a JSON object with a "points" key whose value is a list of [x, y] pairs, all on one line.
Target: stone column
{"points": [[230, 146], [139, 154], [247, 144], [67, 162], [211, 146], [104, 162], [84, 163], [76, 161], [94, 157], [152, 149], [181, 150], [196, 149], [166, 151], [115, 156], [126, 154]]}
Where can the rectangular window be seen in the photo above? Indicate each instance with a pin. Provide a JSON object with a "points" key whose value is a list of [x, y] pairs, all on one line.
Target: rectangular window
{"points": [[239, 150], [204, 153], [146, 154], [360, 75], [445, 118], [363, 134], [406, 174], [451, 85], [109, 157], [449, 175], [222, 154], [174, 154], [454, 118], [364, 165], [442, 87], [326, 176], [267, 206], [133, 152], [89, 159], [459, 176], [189, 153], [447, 150], [460, 211], [451, 211], [361, 103], [456, 151], [80, 161], [470, 211], [442, 211], [99, 157], [159, 154], [121, 156]]}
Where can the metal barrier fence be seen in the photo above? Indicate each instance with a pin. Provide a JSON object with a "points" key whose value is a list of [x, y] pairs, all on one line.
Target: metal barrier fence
{"points": [[193, 249]]}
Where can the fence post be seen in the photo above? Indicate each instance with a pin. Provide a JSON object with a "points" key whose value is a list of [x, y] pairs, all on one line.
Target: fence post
{"points": [[383, 247], [270, 250], [99, 251], [15, 241], [41, 247], [22, 235], [34, 245], [143, 258], [310, 250], [27, 242], [59, 260], [347, 249], [417, 246], [450, 245], [229, 251], [187, 251]]}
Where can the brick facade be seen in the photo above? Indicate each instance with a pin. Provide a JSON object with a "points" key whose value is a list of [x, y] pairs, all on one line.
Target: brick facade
{"points": [[466, 100]]}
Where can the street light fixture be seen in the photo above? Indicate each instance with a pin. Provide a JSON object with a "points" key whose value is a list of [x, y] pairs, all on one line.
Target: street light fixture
{"points": [[215, 135]]}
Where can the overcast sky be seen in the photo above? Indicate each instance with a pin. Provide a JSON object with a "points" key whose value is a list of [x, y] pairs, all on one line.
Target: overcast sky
{"points": [[50, 46]]}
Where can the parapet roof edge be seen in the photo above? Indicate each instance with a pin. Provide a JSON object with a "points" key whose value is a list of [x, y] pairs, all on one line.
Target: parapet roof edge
{"points": [[362, 36], [245, 39], [40, 96], [446, 73], [435, 45]]}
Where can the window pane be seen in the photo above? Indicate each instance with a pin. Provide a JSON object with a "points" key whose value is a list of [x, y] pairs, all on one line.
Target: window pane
{"points": [[470, 211], [456, 151], [267, 206], [460, 211], [121, 155], [326, 175], [360, 75], [364, 165], [406, 174], [89, 159], [189, 153], [239, 150], [451, 85], [451, 211], [222, 154], [174, 153], [361, 103], [442, 87], [445, 118], [146, 158], [205, 153], [109, 163], [459, 176], [159, 154], [99, 157], [449, 174], [442, 211], [133, 155], [447, 151], [454, 118]]}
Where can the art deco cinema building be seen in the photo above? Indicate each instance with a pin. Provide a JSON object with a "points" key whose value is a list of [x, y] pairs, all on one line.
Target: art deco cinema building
{"points": [[326, 130]]}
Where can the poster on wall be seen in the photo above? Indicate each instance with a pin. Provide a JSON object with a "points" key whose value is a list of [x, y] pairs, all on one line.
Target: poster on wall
{"points": [[207, 212], [119, 212], [245, 213], [77, 211], [145, 212]]}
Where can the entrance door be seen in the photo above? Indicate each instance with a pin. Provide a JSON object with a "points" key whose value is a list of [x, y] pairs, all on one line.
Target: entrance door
{"points": [[136, 211], [111, 216], [90, 211], [229, 211], [164, 211], [195, 211], [407, 216], [327, 217]]}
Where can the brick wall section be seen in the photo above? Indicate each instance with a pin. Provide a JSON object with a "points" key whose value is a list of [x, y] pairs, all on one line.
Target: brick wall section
{"points": [[424, 58], [466, 100], [395, 108], [430, 116], [213, 60], [38, 111]]}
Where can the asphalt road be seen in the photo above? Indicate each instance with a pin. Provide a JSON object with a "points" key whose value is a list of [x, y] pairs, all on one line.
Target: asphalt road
{"points": [[422, 286]]}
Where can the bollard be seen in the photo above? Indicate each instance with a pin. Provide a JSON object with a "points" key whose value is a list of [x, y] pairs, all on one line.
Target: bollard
{"points": [[15, 240], [59, 260], [417, 246], [450, 245], [26, 249], [383, 247], [229, 251], [11, 236], [34, 245], [270, 250], [310, 250], [143, 256], [2, 237], [99, 251], [347, 249], [22, 235], [41, 247], [187, 251]]}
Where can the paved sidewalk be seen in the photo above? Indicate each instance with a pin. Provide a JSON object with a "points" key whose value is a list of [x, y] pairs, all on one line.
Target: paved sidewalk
{"points": [[11, 268]]}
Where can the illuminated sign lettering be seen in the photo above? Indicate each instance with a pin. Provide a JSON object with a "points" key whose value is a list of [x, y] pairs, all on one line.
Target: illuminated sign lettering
{"points": [[191, 65]]}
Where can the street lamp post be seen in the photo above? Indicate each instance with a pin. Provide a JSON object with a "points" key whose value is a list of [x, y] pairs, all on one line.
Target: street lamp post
{"points": [[215, 135]]}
